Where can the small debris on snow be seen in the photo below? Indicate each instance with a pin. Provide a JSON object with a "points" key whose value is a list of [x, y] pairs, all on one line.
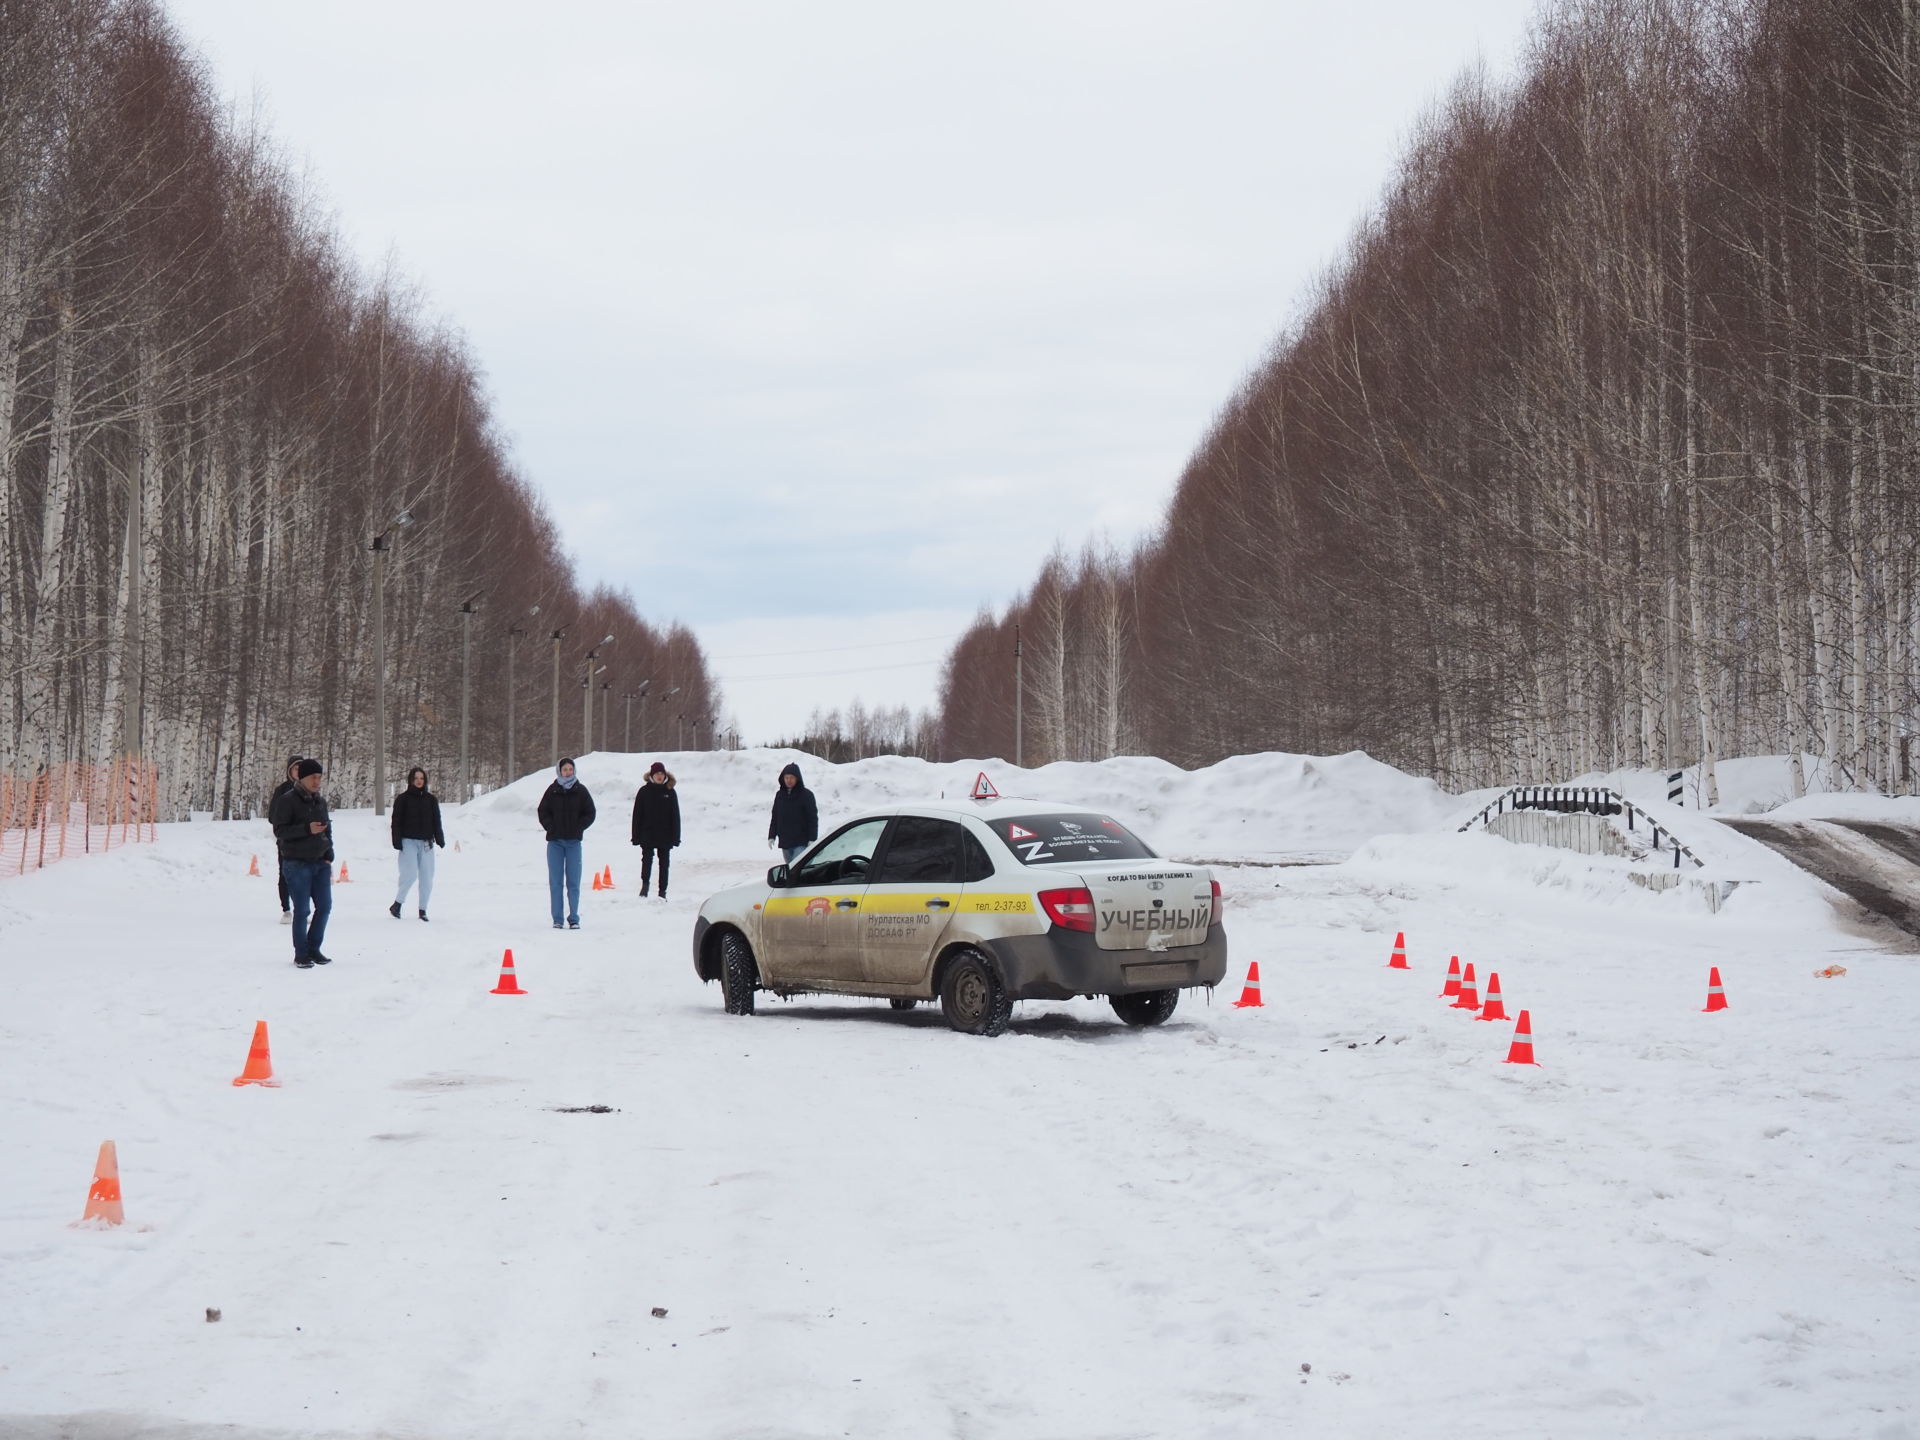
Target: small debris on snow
{"points": [[585, 1110], [659, 1312], [212, 1315], [1305, 1368]]}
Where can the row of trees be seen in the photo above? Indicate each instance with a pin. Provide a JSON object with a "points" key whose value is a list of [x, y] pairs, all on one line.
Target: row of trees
{"points": [[211, 428], [859, 733], [1596, 448]]}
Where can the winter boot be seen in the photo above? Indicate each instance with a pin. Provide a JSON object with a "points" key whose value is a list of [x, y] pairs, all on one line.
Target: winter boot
{"points": [[394, 909]]}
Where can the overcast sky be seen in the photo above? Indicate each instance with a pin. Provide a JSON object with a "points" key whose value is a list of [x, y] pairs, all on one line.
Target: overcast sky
{"points": [[819, 325]]}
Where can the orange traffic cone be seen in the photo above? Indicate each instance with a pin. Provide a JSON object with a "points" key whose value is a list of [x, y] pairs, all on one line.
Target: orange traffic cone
{"points": [[1399, 960], [253, 866], [1250, 996], [1716, 996], [345, 879], [1469, 992], [1493, 1009], [259, 1069], [103, 1196], [1453, 978], [596, 881], [509, 982], [609, 884], [1521, 1052]]}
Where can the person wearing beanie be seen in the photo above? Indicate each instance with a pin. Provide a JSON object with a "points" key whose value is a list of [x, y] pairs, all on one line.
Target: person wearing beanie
{"points": [[416, 830], [286, 900], [566, 812], [796, 818], [656, 824], [305, 837]]}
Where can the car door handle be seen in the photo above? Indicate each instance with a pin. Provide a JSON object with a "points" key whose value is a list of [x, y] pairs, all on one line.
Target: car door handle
{"points": [[846, 904], [937, 904]]}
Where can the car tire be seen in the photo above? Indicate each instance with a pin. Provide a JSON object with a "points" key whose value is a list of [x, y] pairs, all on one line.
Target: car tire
{"points": [[972, 997], [737, 973], [899, 1003], [1146, 1007]]}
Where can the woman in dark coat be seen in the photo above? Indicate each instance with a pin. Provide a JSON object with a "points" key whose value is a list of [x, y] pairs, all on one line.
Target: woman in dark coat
{"points": [[796, 818], [416, 830], [565, 812], [656, 824]]}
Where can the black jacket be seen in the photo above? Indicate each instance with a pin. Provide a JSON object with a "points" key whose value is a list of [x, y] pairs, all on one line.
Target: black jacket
{"points": [[292, 813], [656, 816], [566, 814], [796, 818], [416, 816]]}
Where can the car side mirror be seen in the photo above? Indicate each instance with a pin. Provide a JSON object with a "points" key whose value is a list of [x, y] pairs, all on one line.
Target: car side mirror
{"points": [[777, 876]]}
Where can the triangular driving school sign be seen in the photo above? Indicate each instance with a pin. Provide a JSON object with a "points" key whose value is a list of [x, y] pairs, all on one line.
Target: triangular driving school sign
{"points": [[1014, 832], [983, 788]]}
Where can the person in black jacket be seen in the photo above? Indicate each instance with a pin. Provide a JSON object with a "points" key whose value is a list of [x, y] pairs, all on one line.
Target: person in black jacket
{"points": [[305, 837], [796, 818], [566, 810], [656, 824], [416, 830], [293, 778]]}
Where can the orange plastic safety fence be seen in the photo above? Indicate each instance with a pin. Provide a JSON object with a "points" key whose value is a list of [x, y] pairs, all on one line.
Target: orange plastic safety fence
{"points": [[74, 809]]}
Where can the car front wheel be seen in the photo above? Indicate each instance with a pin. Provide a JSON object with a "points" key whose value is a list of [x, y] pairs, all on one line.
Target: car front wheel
{"points": [[737, 973], [1148, 1007], [972, 997]]}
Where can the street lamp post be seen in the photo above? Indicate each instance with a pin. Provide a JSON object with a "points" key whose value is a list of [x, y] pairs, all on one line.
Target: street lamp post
{"points": [[586, 695], [466, 696], [404, 518], [606, 712], [514, 632], [662, 700], [553, 734]]}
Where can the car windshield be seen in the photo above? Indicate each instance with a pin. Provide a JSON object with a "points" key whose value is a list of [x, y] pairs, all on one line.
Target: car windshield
{"points": [[1069, 839]]}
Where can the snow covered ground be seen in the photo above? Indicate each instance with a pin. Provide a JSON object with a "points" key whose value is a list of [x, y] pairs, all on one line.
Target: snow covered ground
{"points": [[1339, 1215]]}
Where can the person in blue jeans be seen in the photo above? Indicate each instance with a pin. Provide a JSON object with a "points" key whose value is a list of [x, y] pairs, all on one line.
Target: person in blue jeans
{"points": [[566, 812], [304, 835]]}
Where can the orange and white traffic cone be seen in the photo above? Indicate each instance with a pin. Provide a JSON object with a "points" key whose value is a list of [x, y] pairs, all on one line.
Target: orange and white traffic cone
{"points": [[345, 879], [607, 878], [1493, 1009], [1453, 979], [1250, 995], [509, 982], [1469, 992], [596, 881], [1399, 960], [1521, 1051], [259, 1069], [253, 866], [103, 1196], [1716, 996]]}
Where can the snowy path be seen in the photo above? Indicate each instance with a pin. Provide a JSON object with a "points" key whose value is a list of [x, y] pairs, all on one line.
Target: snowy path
{"points": [[862, 1224]]}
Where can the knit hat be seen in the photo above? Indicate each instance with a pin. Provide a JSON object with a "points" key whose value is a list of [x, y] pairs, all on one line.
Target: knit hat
{"points": [[656, 768], [311, 767], [293, 760]]}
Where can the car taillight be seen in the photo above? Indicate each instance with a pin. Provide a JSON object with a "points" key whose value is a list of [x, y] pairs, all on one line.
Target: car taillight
{"points": [[1214, 918], [1069, 909]]}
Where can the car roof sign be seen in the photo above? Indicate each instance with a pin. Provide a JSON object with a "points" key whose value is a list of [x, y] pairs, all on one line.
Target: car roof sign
{"points": [[983, 788]]}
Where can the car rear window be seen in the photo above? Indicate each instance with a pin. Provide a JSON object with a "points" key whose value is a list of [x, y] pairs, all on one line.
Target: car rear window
{"points": [[1068, 839]]}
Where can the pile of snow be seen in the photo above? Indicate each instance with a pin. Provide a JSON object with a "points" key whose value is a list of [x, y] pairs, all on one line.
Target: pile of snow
{"points": [[1269, 806], [1757, 785]]}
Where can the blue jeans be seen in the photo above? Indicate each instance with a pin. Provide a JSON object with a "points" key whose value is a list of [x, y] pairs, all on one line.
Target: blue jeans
{"points": [[310, 884], [563, 859], [416, 860], [792, 852]]}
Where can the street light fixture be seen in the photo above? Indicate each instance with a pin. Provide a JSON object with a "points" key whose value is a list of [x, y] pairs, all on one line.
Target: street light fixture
{"points": [[380, 547], [586, 685], [514, 632]]}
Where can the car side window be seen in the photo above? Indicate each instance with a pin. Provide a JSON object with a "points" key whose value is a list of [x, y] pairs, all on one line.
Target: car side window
{"points": [[921, 850], [843, 857], [974, 861]]}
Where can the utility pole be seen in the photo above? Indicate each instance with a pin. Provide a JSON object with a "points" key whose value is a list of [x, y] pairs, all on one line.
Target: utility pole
{"points": [[586, 695], [1019, 696], [466, 698], [514, 632], [404, 518], [553, 735]]}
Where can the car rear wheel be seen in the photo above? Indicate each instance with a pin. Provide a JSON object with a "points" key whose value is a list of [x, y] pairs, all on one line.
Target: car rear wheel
{"points": [[899, 1003], [737, 973], [1148, 1007], [972, 997]]}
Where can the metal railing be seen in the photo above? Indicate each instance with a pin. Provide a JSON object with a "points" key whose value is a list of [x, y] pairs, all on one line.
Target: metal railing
{"points": [[1583, 800]]}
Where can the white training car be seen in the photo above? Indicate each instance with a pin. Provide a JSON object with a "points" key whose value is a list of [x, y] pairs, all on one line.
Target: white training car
{"points": [[978, 902]]}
